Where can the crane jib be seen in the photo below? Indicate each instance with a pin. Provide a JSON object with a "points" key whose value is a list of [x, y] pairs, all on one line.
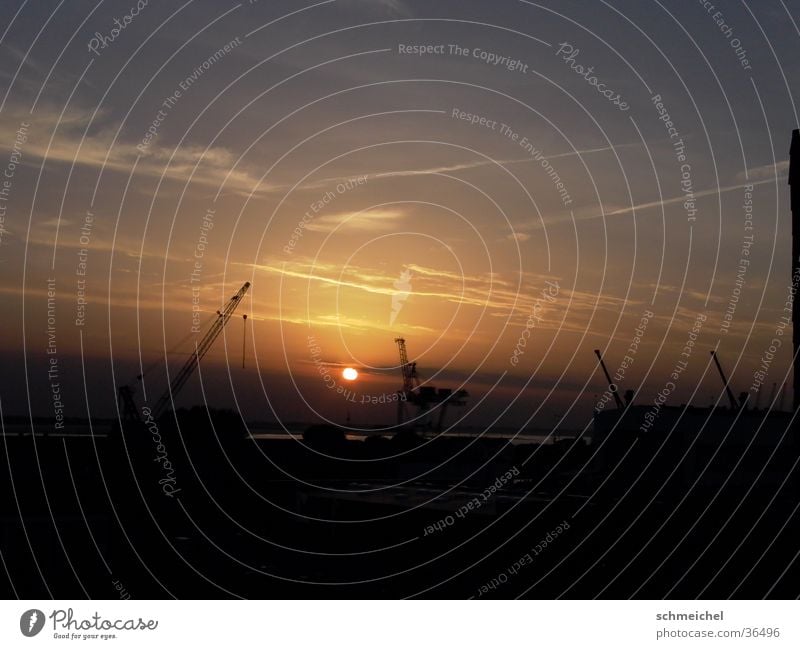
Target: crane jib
{"points": [[201, 348]]}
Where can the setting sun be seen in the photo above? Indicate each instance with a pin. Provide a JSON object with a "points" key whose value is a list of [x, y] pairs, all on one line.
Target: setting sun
{"points": [[350, 373]]}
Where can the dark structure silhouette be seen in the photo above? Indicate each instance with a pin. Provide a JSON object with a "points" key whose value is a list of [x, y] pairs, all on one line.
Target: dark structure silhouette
{"points": [[794, 182]]}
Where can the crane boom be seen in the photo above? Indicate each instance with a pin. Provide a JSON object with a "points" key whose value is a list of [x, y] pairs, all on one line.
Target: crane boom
{"points": [[611, 385], [200, 350], [731, 398]]}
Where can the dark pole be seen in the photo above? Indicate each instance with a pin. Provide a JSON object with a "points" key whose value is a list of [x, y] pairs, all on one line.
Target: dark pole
{"points": [[794, 182]]}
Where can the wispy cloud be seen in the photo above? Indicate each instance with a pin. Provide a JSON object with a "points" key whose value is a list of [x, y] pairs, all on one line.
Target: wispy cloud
{"points": [[483, 162], [591, 212], [74, 139], [765, 172], [504, 297], [394, 8], [376, 220], [518, 236], [95, 147]]}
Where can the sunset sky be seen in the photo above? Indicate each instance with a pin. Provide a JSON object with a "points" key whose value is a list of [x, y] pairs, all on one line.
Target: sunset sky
{"points": [[313, 150]]}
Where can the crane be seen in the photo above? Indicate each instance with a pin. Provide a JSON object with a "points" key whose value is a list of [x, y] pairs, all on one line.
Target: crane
{"points": [[130, 411], [611, 385], [423, 397]]}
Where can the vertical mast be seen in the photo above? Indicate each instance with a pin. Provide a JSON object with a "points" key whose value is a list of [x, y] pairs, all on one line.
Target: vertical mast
{"points": [[794, 182]]}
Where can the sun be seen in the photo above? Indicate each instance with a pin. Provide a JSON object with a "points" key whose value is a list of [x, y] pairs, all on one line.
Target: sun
{"points": [[350, 373]]}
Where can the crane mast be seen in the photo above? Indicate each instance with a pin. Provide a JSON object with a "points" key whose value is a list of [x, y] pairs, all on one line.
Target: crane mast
{"points": [[408, 370]]}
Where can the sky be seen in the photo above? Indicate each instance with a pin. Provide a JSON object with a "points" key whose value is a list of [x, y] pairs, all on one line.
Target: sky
{"points": [[508, 186]]}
